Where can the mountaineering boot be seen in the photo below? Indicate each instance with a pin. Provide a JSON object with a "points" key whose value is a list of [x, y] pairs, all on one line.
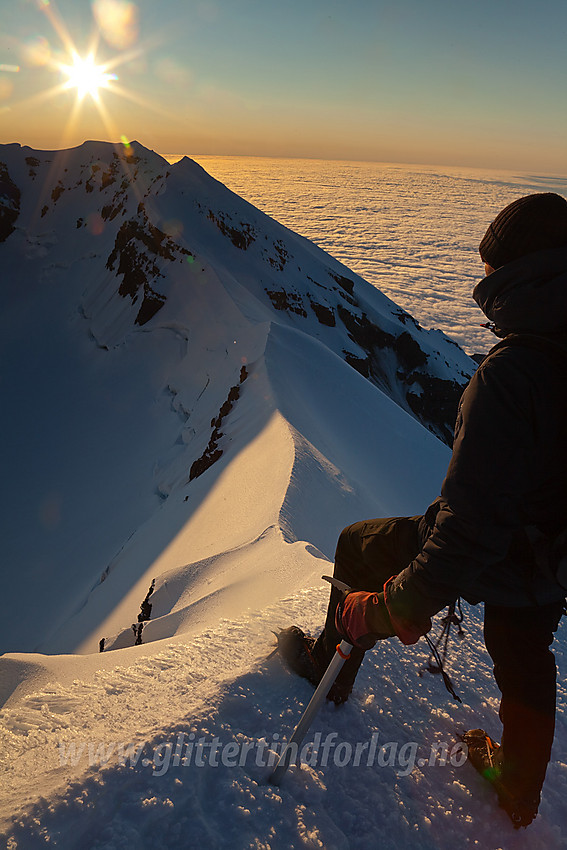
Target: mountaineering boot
{"points": [[486, 757], [298, 651]]}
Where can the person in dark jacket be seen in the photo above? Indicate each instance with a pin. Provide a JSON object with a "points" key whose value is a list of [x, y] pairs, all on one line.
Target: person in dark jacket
{"points": [[507, 473]]}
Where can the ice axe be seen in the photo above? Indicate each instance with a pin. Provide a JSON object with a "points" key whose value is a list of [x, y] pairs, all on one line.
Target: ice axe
{"points": [[329, 676]]}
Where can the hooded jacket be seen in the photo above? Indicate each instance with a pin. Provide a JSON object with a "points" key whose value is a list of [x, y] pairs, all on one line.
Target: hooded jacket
{"points": [[509, 463]]}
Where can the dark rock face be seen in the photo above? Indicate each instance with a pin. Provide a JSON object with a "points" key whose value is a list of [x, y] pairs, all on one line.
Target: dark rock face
{"points": [[57, 192], [395, 363], [344, 282], [279, 259], [33, 163], [137, 246], [361, 364], [213, 453], [324, 314], [241, 237], [110, 211], [436, 406], [410, 354], [438, 403], [291, 302], [9, 203], [363, 332], [146, 606]]}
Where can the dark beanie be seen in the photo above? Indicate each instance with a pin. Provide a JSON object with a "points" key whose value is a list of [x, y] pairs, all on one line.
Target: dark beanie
{"points": [[529, 224]]}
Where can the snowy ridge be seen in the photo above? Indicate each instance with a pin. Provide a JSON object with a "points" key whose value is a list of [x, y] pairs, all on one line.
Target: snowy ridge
{"points": [[154, 291], [198, 401], [302, 450]]}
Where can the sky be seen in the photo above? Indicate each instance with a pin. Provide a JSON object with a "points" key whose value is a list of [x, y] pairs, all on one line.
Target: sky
{"points": [[424, 81]]}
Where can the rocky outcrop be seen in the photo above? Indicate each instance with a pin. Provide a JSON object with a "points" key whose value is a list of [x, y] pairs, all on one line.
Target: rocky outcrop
{"points": [[213, 452], [137, 247], [9, 203]]}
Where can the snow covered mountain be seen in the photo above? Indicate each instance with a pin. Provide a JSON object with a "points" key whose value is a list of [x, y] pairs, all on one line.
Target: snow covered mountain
{"points": [[155, 327], [195, 402]]}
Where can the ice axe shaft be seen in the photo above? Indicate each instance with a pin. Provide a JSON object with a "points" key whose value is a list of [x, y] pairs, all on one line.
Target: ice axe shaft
{"points": [[291, 749]]}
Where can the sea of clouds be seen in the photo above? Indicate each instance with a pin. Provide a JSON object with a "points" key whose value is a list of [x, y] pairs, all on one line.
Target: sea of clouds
{"points": [[411, 230]]}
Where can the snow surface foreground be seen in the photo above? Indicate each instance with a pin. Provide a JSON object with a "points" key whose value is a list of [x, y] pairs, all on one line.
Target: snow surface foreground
{"points": [[197, 400], [172, 748]]}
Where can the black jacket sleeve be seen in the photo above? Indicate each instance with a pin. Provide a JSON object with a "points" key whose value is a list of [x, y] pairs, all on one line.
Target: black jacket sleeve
{"points": [[481, 508]]}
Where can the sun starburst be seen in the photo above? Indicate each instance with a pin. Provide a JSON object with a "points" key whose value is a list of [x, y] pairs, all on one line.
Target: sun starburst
{"points": [[86, 76], [90, 71]]}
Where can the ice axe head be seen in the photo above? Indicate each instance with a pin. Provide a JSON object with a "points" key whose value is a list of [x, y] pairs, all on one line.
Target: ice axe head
{"points": [[340, 585]]}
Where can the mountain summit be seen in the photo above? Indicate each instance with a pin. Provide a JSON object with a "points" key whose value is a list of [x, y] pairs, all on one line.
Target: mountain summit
{"points": [[195, 402], [184, 379]]}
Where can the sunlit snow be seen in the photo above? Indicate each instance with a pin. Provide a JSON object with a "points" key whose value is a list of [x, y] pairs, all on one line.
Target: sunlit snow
{"points": [[181, 414]]}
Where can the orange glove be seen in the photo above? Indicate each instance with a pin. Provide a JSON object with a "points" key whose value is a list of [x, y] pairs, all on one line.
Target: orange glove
{"points": [[362, 618]]}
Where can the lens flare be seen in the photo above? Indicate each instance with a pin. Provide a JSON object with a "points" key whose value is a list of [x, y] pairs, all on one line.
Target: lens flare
{"points": [[117, 21]]}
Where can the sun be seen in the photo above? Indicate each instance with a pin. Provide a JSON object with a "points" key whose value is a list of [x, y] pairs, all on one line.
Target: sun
{"points": [[85, 73], [86, 76]]}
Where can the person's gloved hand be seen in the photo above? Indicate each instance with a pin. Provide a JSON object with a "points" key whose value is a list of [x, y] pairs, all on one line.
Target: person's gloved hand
{"points": [[362, 618]]}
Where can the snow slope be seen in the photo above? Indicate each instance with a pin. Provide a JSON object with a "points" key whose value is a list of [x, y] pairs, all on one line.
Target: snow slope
{"points": [[139, 300], [183, 412]]}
